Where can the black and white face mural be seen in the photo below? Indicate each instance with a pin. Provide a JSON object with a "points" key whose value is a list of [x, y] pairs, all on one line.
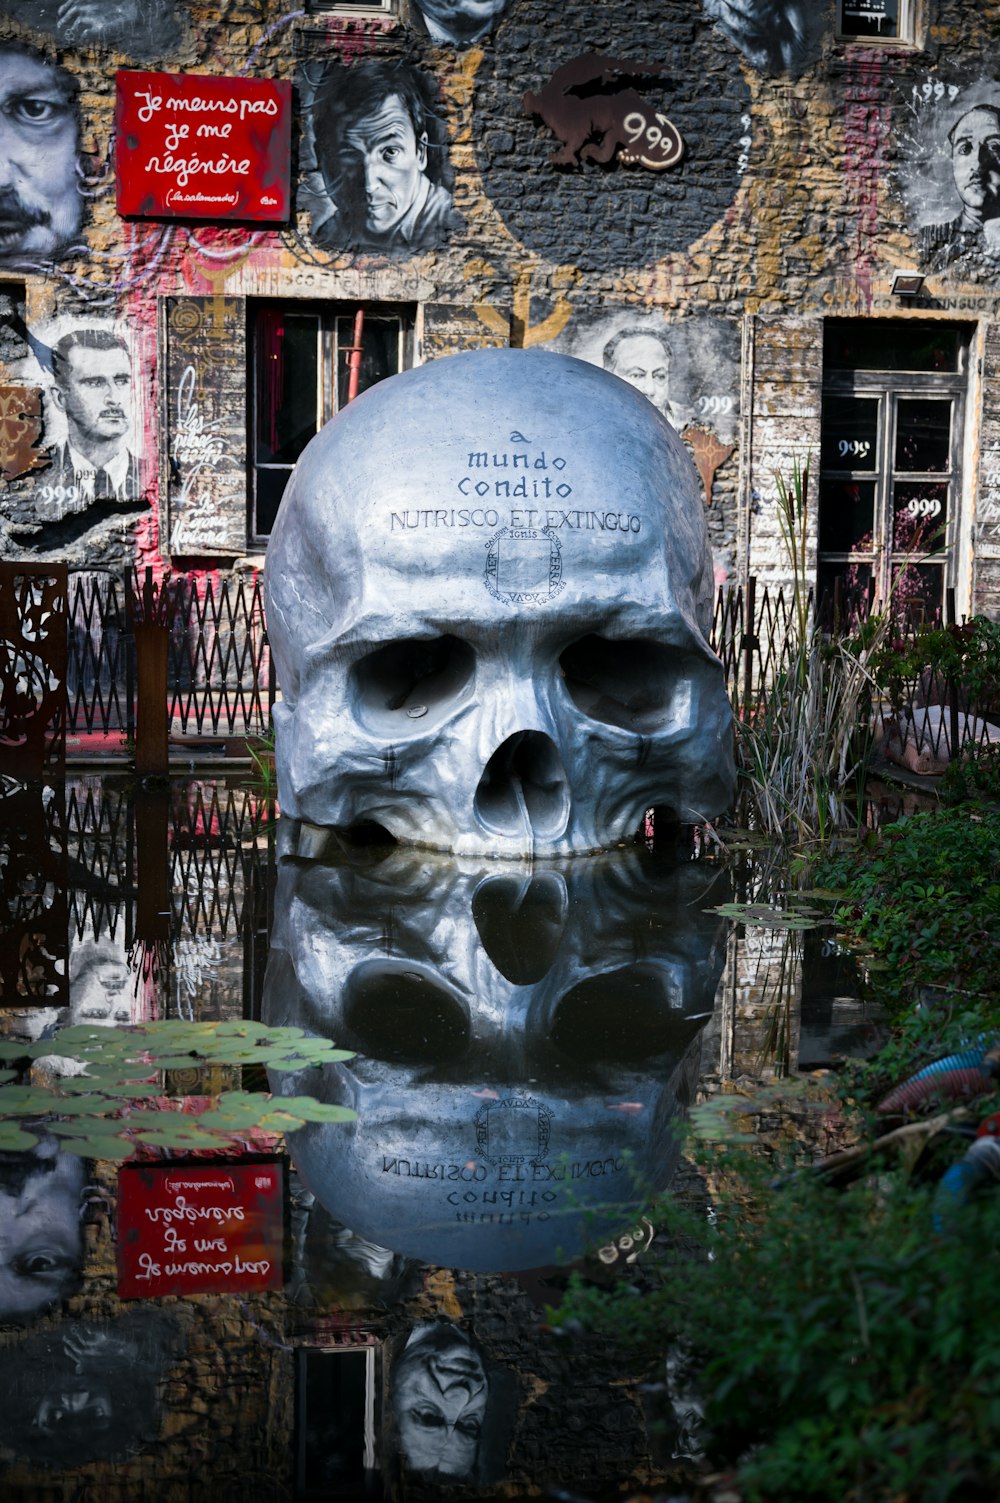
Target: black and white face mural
{"points": [[775, 36], [94, 475], [460, 22], [137, 28], [689, 371], [449, 1410], [102, 987], [950, 172], [41, 207], [380, 178], [41, 1234], [88, 1391]]}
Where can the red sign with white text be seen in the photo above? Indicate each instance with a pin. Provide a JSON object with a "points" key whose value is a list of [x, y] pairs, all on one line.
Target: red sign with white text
{"points": [[199, 1228], [201, 146]]}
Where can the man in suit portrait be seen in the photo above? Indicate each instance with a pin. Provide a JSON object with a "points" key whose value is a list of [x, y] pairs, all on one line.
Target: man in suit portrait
{"points": [[641, 356], [974, 145], [92, 382]]}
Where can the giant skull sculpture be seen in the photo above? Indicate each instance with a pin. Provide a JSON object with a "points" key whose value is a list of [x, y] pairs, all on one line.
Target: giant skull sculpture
{"points": [[488, 591], [527, 1041]]}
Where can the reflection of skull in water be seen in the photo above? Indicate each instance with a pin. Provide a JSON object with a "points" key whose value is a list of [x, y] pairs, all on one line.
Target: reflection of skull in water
{"points": [[527, 1039], [488, 592]]}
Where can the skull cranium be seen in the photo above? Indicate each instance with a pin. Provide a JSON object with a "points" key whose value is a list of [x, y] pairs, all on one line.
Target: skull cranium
{"points": [[488, 590]]}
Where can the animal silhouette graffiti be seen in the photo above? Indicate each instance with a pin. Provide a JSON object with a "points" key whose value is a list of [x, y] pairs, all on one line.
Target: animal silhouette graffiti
{"points": [[591, 104]]}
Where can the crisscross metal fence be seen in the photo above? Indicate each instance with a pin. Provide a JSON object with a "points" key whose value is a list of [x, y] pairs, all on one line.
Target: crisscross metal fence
{"points": [[219, 677], [923, 715], [221, 684]]}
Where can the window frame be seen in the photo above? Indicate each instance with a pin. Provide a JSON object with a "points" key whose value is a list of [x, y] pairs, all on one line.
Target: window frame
{"points": [[329, 351], [888, 387], [360, 8], [907, 28]]}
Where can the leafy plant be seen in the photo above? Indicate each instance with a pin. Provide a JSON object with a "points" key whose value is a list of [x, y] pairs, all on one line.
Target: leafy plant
{"points": [[974, 775], [804, 751], [923, 898], [100, 1113], [840, 1347], [260, 750], [965, 657]]}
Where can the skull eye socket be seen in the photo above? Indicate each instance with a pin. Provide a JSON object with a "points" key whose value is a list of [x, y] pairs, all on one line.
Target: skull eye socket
{"points": [[401, 1015], [410, 684], [625, 1016], [636, 684]]}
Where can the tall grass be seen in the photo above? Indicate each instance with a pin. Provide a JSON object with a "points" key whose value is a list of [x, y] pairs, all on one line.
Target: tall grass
{"points": [[804, 749]]}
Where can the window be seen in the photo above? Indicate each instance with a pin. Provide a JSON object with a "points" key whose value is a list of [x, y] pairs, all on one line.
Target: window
{"points": [[875, 20], [890, 451], [301, 362], [351, 7], [338, 1412]]}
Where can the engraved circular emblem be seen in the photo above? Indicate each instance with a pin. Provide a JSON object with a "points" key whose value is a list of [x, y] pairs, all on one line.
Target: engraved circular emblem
{"points": [[514, 1130], [524, 565]]}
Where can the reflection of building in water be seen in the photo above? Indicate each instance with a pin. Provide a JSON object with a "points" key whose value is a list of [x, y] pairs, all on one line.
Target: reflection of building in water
{"points": [[88, 1393], [41, 1231], [440, 1400], [101, 985], [523, 1053]]}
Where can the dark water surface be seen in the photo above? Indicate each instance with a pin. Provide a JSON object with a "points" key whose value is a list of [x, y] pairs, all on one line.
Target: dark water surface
{"points": [[468, 1077]]}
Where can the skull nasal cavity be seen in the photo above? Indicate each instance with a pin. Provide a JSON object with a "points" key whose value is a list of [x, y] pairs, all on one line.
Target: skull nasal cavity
{"points": [[523, 790]]}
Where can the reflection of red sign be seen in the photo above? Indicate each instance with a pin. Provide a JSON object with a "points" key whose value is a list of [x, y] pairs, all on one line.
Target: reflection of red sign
{"points": [[200, 146], [199, 1228]]}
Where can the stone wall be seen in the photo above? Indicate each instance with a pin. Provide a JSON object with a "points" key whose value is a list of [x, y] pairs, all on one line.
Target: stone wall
{"points": [[812, 169]]}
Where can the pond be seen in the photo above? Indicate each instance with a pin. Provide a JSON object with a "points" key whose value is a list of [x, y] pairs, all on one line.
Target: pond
{"points": [[298, 1140]]}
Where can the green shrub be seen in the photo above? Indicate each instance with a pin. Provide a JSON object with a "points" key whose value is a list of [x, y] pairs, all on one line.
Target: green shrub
{"points": [[843, 1351], [973, 776], [967, 655], [923, 897]]}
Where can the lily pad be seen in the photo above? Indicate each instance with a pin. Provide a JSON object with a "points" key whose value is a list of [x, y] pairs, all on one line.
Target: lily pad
{"points": [[14, 1139], [94, 1127], [14, 1049], [306, 1109], [117, 1149], [177, 1137], [763, 915]]}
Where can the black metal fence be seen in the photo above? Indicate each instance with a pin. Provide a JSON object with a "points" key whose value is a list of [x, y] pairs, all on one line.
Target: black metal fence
{"points": [[220, 682], [924, 715]]}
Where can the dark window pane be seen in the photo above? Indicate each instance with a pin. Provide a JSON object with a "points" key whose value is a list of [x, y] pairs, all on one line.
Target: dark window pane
{"points": [[270, 489], [331, 1418], [920, 588], [850, 433], [379, 353], [869, 18], [923, 434], [841, 588], [846, 515], [876, 344], [919, 515], [287, 355]]}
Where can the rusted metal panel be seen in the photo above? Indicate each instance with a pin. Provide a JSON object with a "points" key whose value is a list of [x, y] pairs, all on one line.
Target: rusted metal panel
{"points": [[32, 670]]}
